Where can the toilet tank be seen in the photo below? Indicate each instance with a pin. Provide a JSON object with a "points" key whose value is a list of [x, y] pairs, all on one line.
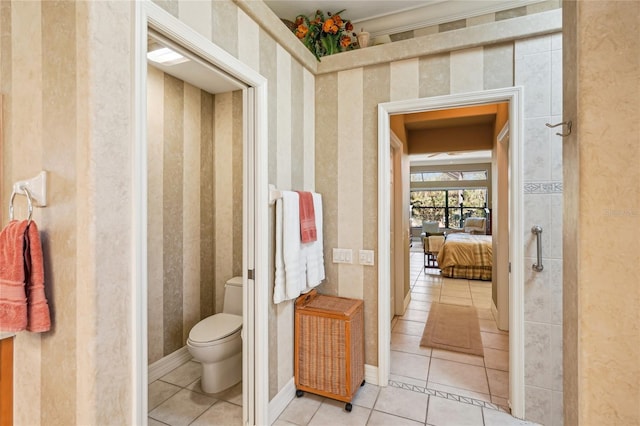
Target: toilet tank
{"points": [[233, 296]]}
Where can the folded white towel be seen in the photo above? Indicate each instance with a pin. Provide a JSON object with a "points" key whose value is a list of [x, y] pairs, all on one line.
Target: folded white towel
{"points": [[294, 266], [279, 293], [299, 267]]}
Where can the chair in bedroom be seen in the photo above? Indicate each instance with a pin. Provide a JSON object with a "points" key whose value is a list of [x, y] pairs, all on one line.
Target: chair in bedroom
{"points": [[432, 239], [475, 225]]}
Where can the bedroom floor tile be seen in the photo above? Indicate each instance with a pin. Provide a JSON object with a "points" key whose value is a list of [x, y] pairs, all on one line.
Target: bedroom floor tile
{"points": [[419, 305], [498, 382], [409, 344], [424, 297], [413, 328], [496, 359], [489, 325], [414, 315], [495, 341], [458, 357], [483, 378], [456, 300], [459, 375], [409, 365], [456, 292]]}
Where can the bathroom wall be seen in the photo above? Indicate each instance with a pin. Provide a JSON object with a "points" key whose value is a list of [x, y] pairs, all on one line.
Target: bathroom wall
{"points": [[194, 206], [538, 67], [346, 170]]}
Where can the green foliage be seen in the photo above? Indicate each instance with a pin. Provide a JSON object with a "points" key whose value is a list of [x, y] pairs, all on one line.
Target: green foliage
{"points": [[430, 205], [325, 36]]}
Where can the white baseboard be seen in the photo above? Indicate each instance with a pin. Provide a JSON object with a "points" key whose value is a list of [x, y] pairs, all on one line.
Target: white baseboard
{"points": [[281, 400], [371, 374], [407, 300], [168, 363], [494, 310]]}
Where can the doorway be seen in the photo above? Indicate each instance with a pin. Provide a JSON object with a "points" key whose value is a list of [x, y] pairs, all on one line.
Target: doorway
{"points": [[516, 301], [152, 18]]}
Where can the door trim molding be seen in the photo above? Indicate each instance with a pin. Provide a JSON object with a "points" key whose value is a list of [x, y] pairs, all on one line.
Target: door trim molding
{"points": [[255, 212], [514, 96]]}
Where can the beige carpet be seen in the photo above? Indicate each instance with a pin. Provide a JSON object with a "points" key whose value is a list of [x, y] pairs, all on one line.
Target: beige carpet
{"points": [[454, 328]]}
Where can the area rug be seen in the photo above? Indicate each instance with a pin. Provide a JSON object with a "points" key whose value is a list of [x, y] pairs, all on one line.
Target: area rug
{"points": [[454, 328]]}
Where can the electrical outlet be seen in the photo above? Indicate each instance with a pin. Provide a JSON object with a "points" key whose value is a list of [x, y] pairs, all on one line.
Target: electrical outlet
{"points": [[366, 257]]}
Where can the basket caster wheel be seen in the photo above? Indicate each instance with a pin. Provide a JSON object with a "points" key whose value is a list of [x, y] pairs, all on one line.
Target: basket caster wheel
{"points": [[348, 407], [299, 393], [362, 384]]}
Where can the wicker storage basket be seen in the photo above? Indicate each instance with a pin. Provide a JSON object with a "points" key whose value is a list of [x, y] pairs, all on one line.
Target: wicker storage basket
{"points": [[329, 346]]}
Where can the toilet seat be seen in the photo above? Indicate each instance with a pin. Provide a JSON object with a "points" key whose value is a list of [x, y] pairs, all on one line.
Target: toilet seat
{"points": [[215, 328]]}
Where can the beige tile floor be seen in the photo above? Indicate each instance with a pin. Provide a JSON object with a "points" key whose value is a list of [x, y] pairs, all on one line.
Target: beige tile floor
{"points": [[177, 399], [427, 386], [481, 378]]}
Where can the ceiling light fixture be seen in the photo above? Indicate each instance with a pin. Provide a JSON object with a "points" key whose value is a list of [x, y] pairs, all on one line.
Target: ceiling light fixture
{"points": [[166, 56]]}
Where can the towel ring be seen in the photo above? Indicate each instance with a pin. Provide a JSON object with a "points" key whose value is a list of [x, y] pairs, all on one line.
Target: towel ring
{"points": [[29, 204]]}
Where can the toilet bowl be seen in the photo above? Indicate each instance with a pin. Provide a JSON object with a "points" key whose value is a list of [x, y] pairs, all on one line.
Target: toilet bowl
{"points": [[216, 342]]}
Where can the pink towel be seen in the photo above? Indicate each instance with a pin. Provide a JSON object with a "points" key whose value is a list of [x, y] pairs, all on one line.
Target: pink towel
{"points": [[38, 318], [13, 298], [23, 304], [308, 232]]}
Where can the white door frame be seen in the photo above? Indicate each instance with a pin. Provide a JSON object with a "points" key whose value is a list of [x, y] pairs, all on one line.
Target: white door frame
{"points": [[255, 396], [514, 96]]}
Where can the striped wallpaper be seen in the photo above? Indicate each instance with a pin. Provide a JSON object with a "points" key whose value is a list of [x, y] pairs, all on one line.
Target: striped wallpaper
{"points": [[291, 111], [65, 76], [194, 205]]}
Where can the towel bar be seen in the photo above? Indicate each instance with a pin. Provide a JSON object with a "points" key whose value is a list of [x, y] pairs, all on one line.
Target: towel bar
{"points": [[35, 189], [29, 203], [274, 194]]}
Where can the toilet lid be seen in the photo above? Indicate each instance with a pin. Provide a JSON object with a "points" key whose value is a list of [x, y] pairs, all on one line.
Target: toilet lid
{"points": [[215, 327]]}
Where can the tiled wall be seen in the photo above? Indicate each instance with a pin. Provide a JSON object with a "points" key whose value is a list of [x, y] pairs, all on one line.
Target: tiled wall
{"points": [[538, 67], [349, 164], [194, 207]]}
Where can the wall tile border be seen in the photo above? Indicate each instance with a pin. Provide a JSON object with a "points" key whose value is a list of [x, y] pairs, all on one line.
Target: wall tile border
{"points": [[543, 187]]}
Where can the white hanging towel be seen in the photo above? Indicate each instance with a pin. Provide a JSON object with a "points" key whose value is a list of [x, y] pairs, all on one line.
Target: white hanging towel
{"points": [[290, 276], [299, 267], [279, 293]]}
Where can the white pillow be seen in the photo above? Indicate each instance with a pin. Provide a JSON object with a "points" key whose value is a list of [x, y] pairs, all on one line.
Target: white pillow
{"points": [[476, 224], [430, 227]]}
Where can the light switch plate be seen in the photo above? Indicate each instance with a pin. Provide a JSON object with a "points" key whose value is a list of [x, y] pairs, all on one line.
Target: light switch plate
{"points": [[342, 255], [366, 257]]}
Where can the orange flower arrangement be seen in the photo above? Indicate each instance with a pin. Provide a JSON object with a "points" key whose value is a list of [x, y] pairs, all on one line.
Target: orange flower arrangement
{"points": [[325, 36]]}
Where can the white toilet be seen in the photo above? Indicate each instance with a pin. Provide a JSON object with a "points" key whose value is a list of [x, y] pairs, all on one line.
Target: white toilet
{"points": [[215, 342]]}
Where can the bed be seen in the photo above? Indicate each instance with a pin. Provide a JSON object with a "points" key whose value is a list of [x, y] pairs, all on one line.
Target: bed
{"points": [[467, 256]]}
